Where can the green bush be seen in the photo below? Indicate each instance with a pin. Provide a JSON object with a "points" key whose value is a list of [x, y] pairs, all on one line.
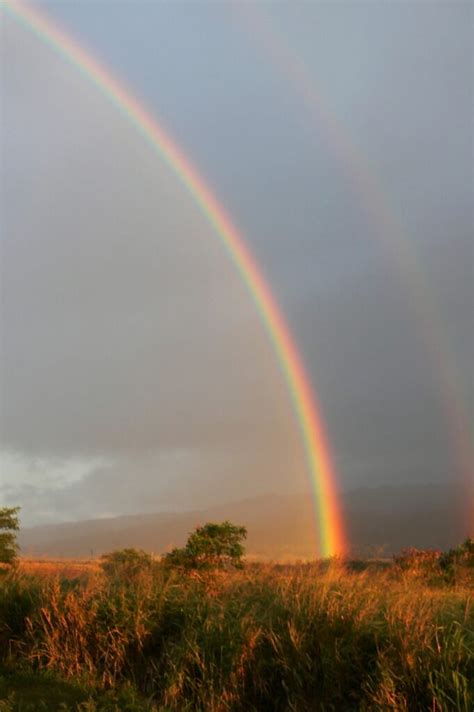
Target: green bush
{"points": [[213, 546], [126, 563], [456, 563], [453, 566], [9, 524]]}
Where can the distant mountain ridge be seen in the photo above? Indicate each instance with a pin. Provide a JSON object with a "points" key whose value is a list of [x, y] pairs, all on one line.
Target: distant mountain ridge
{"points": [[379, 521]]}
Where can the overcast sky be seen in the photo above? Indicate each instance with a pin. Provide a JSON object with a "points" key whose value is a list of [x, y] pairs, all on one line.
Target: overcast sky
{"points": [[136, 375]]}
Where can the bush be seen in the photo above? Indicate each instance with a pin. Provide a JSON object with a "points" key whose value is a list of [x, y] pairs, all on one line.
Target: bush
{"points": [[209, 547], [456, 562], [126, 563], [452, 566], [9, 524], [418, 560]]}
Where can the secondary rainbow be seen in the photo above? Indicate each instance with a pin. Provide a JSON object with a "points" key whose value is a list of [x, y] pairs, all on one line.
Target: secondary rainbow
{"points": [[388, 230], [323, 481]]}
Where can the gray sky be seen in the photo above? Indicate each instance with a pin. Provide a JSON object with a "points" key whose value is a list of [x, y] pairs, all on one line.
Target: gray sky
{"points": [[135, 372]]}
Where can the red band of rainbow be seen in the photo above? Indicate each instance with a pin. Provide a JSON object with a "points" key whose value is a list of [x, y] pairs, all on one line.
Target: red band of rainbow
{"points": [[322, 476]]}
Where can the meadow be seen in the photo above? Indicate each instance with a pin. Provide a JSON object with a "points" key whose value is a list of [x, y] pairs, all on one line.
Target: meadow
{"points": [[323, 636]]}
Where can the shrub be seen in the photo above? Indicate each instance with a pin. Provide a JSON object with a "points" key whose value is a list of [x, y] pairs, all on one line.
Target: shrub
{"points": [[456, 562], [418, 560], [209, 547], [9, 524], [126, 563]]}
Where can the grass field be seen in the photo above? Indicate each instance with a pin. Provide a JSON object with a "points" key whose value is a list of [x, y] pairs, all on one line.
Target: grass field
{"points": [[323, 636], [64, 568]]}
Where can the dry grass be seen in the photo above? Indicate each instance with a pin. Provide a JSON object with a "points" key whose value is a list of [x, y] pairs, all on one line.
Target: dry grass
{"points": [[274, 638], [63, 568]]}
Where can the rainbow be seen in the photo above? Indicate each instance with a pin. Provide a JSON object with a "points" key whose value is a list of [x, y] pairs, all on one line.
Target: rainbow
{"points": [[308, 414], [388, 231]]}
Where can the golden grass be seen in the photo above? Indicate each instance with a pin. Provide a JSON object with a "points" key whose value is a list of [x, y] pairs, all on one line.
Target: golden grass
{"points": [[50, 568], [270, 637]]}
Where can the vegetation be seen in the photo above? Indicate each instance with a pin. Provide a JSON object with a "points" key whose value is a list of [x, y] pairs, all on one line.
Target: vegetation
{"points": [[453, 566], [213, 546], [126, 563], [323, 636], [457, 561], [9, 524]]}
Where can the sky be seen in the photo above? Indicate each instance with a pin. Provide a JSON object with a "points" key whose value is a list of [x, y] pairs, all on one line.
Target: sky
{"points": [[135, 374]]}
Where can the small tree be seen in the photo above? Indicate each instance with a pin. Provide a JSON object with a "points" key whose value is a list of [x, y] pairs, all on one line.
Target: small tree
{"points": [[126, 563], [211, 546], [9, 524]]}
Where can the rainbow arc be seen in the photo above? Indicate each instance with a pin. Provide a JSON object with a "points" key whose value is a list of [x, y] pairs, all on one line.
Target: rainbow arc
{"points": [[307, 411]]}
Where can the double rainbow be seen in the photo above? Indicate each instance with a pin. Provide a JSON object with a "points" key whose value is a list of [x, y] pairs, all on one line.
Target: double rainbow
{"points": [[307, 411]]}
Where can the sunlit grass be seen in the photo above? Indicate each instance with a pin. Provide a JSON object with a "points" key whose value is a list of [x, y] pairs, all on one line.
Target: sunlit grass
{"points": [[69, 568], [308, 637]]}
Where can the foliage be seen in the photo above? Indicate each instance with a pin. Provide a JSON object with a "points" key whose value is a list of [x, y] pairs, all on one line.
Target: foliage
{"points": [[126, 563], [455, 561], [209, 547], [417, 560], [452, 566], [265, 638], [9, 524]]}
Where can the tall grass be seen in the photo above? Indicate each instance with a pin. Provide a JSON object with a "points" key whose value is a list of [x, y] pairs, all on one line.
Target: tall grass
{"points": [[267, 638]]}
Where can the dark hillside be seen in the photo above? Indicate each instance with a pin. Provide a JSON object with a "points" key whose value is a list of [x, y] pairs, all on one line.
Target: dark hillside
{"points": [[380, 521]]}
